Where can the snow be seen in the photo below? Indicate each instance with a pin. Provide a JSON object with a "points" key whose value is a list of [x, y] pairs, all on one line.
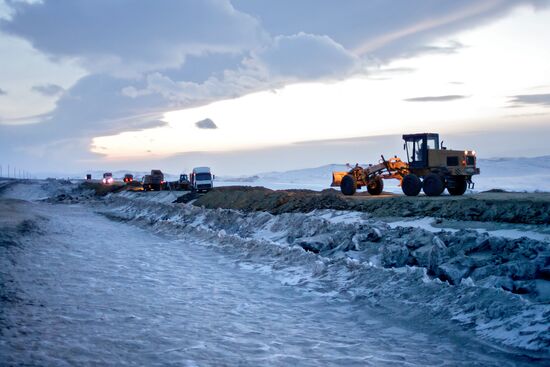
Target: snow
{"points": [[362, 262], [379, 260], [165, 197]]}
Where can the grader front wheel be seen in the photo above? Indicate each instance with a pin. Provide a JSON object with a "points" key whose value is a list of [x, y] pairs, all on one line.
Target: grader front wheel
{"points": [[348, 186], [375, 186]]}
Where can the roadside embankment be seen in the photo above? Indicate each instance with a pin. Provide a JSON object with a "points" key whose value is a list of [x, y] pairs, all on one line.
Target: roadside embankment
{"points": [[528, 208]]}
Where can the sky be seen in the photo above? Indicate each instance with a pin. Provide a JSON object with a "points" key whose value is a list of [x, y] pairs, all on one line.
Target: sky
{"points": [[250, 86]]}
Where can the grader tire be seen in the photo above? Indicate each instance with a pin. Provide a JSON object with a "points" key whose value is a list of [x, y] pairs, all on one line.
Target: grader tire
{"points": [[348, 186], [411, 185], [460, 187], [375, 186], [433, 185]]}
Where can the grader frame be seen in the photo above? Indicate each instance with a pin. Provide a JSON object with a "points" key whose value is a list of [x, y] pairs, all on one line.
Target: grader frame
{"points": [[371, 177]]}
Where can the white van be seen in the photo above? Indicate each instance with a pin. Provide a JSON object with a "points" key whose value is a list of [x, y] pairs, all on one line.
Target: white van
{"points": [[201, 179]]}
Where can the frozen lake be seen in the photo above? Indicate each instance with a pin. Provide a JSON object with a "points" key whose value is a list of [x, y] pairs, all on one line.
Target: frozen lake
{"points": [[89, 290]]}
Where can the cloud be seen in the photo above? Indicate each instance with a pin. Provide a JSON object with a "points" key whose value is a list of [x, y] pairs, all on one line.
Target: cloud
{"points": [[530, 99], [94, 106], [383, 73], [127, 37], [446, 98], [307, 57], [3, 92], [48, 89], [183, 94], [144, 58], [448, 48], [382, 29], [206, 124], [300, 57]]}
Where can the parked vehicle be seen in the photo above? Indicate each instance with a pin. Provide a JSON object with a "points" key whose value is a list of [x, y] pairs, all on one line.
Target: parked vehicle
{"points": [[147, 183], [88, 177], [183, 182], [201, 179], [108, 178], [128, 178], [154, 181]]}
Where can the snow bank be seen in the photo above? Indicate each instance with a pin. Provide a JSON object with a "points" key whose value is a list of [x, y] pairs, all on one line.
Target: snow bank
{"points": [[33, 190], [492, 285]]}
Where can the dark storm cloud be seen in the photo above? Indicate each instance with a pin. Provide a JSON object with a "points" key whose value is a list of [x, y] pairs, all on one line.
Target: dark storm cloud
{"points": [[206, 124], [446, 98]]}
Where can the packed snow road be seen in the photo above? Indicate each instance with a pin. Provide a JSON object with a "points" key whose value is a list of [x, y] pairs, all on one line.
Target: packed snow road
{"points": [[78, 288]]}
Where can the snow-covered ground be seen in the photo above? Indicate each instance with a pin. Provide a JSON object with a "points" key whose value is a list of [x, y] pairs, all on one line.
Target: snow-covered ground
{"points": [[510, 174], [355, 247], [323, 288]]}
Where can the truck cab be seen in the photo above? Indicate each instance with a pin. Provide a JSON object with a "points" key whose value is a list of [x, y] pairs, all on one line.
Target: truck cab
{"points": [[201, 179]]}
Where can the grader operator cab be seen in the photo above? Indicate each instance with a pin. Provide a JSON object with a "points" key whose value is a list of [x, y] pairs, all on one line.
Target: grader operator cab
{"points": [[430, 167]]}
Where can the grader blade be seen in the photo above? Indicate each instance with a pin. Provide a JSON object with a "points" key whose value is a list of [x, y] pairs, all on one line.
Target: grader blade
{"points": [[337, 178]]}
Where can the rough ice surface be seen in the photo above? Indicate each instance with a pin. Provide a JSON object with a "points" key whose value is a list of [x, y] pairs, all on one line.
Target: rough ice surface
{"points": [[183, 284], [487, 282]]}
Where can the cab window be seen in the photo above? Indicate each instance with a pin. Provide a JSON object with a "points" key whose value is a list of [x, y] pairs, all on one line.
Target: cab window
{"points": [[432, 144]]}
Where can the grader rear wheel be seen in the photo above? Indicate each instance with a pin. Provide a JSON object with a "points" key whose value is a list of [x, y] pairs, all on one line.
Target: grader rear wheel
{"points": [[433, 185], [411, 185], [348, 186], [375, 186], [459, 188]]}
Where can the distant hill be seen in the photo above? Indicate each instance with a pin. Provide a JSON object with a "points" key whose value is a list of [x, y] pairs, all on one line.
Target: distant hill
{"points": [[513, 174]]}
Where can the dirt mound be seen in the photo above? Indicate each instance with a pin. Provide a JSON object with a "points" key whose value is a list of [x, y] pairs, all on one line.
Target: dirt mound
{"points": [[273, 201], [487, 207]]}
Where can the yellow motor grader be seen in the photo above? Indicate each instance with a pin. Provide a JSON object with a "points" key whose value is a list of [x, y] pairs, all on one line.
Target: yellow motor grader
{"points": [[430, 167]]}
